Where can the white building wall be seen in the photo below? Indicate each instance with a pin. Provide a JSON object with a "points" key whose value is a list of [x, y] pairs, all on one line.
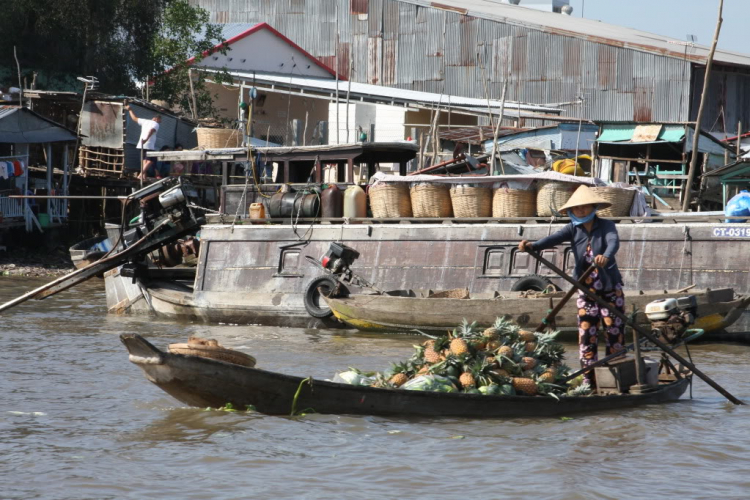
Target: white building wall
{"points": [[388, 120]]}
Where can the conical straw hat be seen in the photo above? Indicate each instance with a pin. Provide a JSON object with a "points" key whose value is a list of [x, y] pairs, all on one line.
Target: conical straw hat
{"points": [[584, 195]]}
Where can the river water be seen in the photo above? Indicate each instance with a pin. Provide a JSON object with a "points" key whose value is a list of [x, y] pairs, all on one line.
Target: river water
{"points": [[79, 421]]}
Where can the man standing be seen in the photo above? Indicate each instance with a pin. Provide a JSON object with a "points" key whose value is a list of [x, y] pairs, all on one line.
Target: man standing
{"points": [[147, 142]]}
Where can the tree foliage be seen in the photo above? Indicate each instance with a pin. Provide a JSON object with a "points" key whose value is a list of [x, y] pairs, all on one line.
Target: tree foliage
{"points": [[174, 46], [121, 42]]}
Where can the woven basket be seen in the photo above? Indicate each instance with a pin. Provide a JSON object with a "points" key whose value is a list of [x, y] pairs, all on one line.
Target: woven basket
{"points": [[217, 353], [552, 195], [508, 202], [390, 200], [215, 138], [621, 200], [469, 201], [431, 200], [455, 293]]}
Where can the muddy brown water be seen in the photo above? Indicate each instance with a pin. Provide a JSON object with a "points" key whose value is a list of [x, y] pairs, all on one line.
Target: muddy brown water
{"points": [[78, 420]]}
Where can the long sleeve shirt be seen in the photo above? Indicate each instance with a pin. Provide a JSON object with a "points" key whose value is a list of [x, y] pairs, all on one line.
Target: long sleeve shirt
{"points": [[604, 240]]}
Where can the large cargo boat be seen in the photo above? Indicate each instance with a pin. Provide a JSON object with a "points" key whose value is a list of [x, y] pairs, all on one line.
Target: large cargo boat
{"points": [[258, 273]]}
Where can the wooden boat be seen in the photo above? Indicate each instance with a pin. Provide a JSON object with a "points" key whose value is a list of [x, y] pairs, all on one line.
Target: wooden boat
{"points": [[87, 251], [205, 382], [408, 310]]}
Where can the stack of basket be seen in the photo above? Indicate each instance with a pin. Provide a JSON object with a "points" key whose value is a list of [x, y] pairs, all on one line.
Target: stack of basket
{"points": [[390, 200], [508, 202], [215, 138], [431, 200], [621, 200], [551, 195], [471, 201]]}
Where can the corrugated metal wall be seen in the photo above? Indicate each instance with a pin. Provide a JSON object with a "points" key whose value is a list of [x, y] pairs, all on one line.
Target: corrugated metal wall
{"points": [[408, 46]]}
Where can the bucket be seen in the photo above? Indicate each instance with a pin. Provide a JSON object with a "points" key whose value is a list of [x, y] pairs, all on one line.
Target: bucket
{"points": [[43, 220]]}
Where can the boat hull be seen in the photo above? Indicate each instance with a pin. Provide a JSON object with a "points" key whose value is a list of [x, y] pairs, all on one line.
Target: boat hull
{"points": [[384, 313], [258, 274], [204, 383]]}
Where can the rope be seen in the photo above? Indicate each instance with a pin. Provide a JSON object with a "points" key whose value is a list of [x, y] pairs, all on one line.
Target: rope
{"points": [[241, 202]]}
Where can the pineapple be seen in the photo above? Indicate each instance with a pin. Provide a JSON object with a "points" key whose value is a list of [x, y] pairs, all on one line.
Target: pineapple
{"points": [[506, 351], [526, 385], [424, 370], [528, 363], [493, 345], [399, 379], [490, 334], [548, 376], [431, 356], [400, 374], [459, 346], [526, 336], [530, 346], [548, 350], [467, 380]]}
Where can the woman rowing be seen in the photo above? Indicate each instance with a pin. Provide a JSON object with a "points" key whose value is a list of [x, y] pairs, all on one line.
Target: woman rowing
{"points": [[594, 241]]}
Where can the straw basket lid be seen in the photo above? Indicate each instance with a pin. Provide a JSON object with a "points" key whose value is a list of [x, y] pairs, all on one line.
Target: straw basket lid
{"points": [[585, 196], [212, 350]]}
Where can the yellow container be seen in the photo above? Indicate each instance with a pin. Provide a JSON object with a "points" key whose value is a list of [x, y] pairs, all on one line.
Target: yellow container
{"points": [[257, 211]]}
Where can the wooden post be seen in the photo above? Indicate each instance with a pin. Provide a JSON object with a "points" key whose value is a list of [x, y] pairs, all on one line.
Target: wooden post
{"points": [[402, 168], [696, 137], [739, 139], [350, 170], [286, 171], [224, 183], [50, 167]]}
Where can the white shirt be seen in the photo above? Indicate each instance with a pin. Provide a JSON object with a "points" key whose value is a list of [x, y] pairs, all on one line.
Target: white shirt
{"points": [[146, 127]]}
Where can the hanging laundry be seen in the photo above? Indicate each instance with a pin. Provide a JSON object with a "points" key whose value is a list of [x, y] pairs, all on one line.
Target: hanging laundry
{"points": [[18, 168], [3, 170]]}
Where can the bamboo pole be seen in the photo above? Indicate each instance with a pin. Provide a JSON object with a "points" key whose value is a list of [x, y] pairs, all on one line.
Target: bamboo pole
{"points": [[495, 152], [348, 93], [338, 39], [696, 137]]}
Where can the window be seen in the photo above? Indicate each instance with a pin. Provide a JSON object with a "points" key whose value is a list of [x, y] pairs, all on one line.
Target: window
{"points": [[494, 262], [289, 262]]}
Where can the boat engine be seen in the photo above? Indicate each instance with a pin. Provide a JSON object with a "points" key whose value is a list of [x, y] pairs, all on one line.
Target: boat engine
{"points": [[339, 257], [670, 318]]}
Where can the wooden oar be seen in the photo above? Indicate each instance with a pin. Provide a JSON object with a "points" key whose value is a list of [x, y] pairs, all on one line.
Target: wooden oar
{"points": [[553, 313], [642, 331]]}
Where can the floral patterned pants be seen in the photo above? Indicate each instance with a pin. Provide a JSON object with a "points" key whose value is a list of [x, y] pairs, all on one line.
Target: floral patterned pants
{"points": [[590, 316]]}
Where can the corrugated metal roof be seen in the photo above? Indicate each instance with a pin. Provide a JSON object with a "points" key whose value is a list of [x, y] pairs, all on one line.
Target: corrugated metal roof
{"points": [[587, 29], [370, 93], [23, 126]]}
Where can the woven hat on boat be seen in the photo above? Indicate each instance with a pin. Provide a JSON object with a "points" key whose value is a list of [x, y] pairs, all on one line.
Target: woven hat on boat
{"points": [[585, 196]]}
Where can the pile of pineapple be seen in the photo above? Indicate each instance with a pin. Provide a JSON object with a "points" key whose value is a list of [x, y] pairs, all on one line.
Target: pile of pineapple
{"points": [[500, 360]]}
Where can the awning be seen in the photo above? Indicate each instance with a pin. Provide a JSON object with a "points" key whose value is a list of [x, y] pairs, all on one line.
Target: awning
{"points": [[624, 133]]}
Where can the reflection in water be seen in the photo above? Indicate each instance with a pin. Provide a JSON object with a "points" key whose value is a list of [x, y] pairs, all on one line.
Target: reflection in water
{"points": [[77, 420]]}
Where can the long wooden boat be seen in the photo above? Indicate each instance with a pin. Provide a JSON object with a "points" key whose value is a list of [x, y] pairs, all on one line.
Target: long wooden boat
{"points": [[203, 382], [406, 311], [88, 251]]}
